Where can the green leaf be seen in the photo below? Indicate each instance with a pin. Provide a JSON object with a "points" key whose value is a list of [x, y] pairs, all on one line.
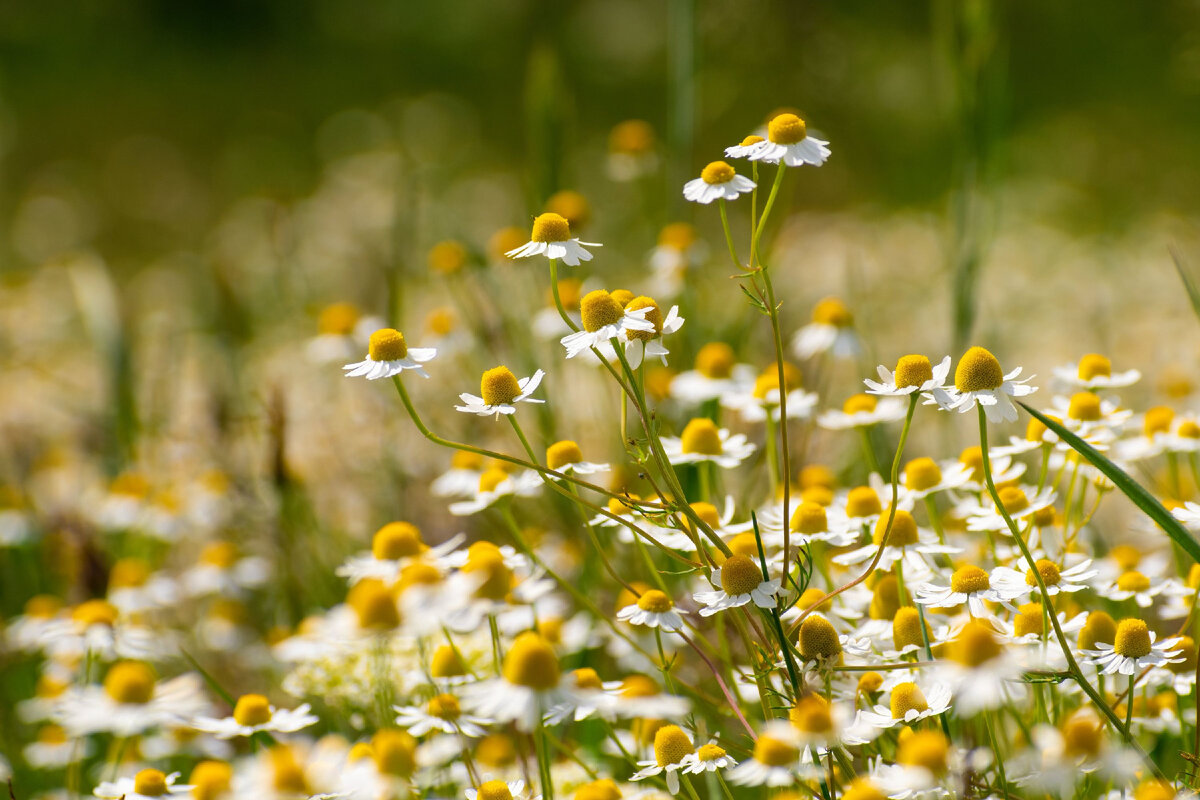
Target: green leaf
{"points": [[1132, 489]]}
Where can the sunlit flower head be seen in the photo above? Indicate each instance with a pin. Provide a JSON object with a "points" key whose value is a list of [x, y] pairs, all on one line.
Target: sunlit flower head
{"points": [[717, 181], [252, 714], [978, 379], [1134, 647], [653, 609], [500, 392], [913, 373], [604, 320], [738, 581], [551, 237], [388, 354], [1095, 371], [149, 784], [788, 142], [672, 746], [831, 331], [702, 441]]}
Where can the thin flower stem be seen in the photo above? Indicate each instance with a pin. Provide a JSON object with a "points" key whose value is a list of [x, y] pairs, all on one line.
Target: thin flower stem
{"points": [[728, 235], [562, 312], [762, 221], [781, 378]]}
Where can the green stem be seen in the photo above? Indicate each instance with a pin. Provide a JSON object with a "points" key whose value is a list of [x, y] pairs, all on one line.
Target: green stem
{"points": [[762, 221], [728, 235], [562, 312]]}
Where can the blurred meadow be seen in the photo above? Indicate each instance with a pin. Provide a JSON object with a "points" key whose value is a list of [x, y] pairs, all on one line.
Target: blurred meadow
{"points": [[207, 207]]}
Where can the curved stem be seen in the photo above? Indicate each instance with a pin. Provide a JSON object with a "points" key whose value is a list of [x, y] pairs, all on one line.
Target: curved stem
{"points": [[562, 312]]}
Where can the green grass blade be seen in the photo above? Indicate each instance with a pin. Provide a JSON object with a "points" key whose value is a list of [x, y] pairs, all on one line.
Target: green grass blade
{"points": [[1132, 489], [1186, 279]]}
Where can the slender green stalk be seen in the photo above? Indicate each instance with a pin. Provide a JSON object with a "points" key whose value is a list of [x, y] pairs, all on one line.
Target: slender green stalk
{"points": [[562, 312]]}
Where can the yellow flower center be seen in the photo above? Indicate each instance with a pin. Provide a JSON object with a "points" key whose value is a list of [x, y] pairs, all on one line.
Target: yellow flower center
{"points": [[570, 204], [52, 734], [95, 612], [397, 540], [1029, 619], [560, 454], [337, 318], [551, 227], [130, 682], [978, 370], [818, 639], [701, 436], [633, 137], [677, 235], [638, 686], [885, 599], [904, 529], [210, 779], [598, 309], [219, 554], [870, 682], [859, 404], [740, 575], [715, 360], [1034, 430], [1100, 628], [444, 706], [813, 595], [707, 513], [150, 782], [374, 605], [710, 752], [1132, 639], [1094, 365], [913, 370], [395, 752], [1133, 581], [751, 139], [863, 501], [1126, 555], [654, 315], [786, 129], [497, 577], [1154, 789], [976, 644], [603, 789], [921, 474], [251, 710], [1013, 499], [1082, 735], [1189, 429], [1158, 420], [587, 678], [832, 311], [862, 789], [447, 257], [419, 573], [499, 386], [128, 573], [490, 478], [1047, 569], [717, 172], [811, 714], [1084, 407], [817, 475], [907, 697], [447, 663], [441, 321], [531, 662], [772, 752], [656, 602], [969, 579], [1187, 649], [810, 518], [42, 606], [906, 628], [928, 749], [671, 745], [387, 344]]}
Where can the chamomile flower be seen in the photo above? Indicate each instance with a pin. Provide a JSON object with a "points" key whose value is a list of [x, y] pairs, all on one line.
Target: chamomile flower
{"points": [[923, 477], [861, 410], [715, 374], [604, 320], [1188, 514], [739, 581], [1070, 580], [717, 181], [388, 354], [745, 147], [631, 150], [671, 746], [551, 237], [496, 484], [774, 762], [252, 714], [1087, 414], [978, 379], [500, 790], [462, 478], [1138, 586], [908, 704], [831, 331], [566, 456], [149, 784], [1134, 648], [709, 757], [1016, 503], [130, 701], [702, 441], [529, 685], [641, 344], [906, 542], [788, 142], [653, 609], [980, 672], [970, 585], [393, 547], [501, 391], [442, 713], [914, 373], [1095, 372], [755, 402]]}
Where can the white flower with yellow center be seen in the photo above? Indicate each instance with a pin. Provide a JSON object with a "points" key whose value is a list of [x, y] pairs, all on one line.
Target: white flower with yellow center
{"points": [[500, 790], [653, 609], [739, 581], [529, 686], [978, 379], [1087, 414], [252, 714], [496, 484], [923, 477], [671, 746], [788, 141], [1095, 372], [1188, 514], [442, 713], [1138, 586], [223, 569], [393, 547], [501, 391], [1134, 648], [640, 344], [709, 757], [131, 701], [755, 401], [862, 410], [831, 331], [908, 704], [980, 672], [551, 237], [1072, 579], [775, 761], [605, 320], [906, 542], [926, 763], [462, 478], [745, 147], [914, 373], [715, 373], [1019, 505], [717, 181], [703, 441], [566, 456], [1004, 468], [388, 354], [811, 522], [149, 784], [970, 585]]}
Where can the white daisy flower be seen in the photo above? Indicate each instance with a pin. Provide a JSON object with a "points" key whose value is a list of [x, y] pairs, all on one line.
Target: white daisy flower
{"points": [[861, 410], [774, 762], [551, 237], [1087, 414], [702, 441], [906, 542], [671, 746], [640, 344], [978, 379], [1133, 649], [653, 609], [604, 320], [393, 547], [755, 401], [923, 477], [1188, 514], [388, 354], [980, 672], [566, 456], [222, 569], [1138, 586], [740, 581], [254, 713], [788, 141], [914, 373], [130, 702], [831, 331], [149, 784], [1095, 372], [529, 685], [970, 585], [461, 479], [1016, 503], [442, 713], [715, 374], [709, 757], [496, 484], [907, 704], [501, 392], [1072, 579], [717, 181], [744, 148], [500, 790]]}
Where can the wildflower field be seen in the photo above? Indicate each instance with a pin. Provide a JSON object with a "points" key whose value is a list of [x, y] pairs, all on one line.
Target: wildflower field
{"points": [[599, 401]]}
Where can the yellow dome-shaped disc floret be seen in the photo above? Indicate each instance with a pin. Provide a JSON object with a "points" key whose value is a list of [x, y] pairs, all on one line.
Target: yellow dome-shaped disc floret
{"points": [[710, 752], [885, 598], [395, 752], [904, 529], [210, 780], [913, 370], [495, 576], [740, 575], [812, 595], [717, 172], [447, 257], [130, 682], [870, 682], [444, 706], [928, 749], [532, 662], [862, 789], [1013, 499], [1158, 420], [1133, 581], [1100, 628], [252, 710], [715, 360], [751, 139], [969, 579], [786, 129], [859, 404], [671, 745], [587, 678], [447, 663], [1083, 735], [863, 501], [818, 638], [1048, 570], [150, 782], [128, 573], [1154, 789], [921, 474], [499, 386], [95, 612], [1035, 430], [654, 315], [678, 235], [817, 475], [560, 454], [387, 344], [773, 752], [374, 605], [397, 540], [622, 296], [976, 644], [906, 628], [1094, 365], [337, 319], [707, 513], [1132, 639], [978, 370], [655, 602], [597, 309], [810, 518], [812, 715], [571, 205], [632, 137], [551, 227], [602, 789], [496, 750], [701, 436], [1029, 620], [1187, 649], [907, 697], [1084, 407], [832, 311]]}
